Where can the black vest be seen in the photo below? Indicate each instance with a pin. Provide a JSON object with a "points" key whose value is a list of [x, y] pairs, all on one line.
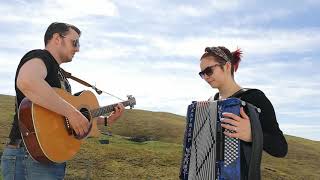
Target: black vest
{"points": [[54, 78]]}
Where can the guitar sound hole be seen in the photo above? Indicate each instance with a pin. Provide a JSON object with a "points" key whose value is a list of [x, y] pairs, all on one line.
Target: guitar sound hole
{"points": [[86, 113]]}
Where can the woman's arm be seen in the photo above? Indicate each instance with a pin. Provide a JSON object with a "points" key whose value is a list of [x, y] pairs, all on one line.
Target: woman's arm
{"points": [[274, 141]]}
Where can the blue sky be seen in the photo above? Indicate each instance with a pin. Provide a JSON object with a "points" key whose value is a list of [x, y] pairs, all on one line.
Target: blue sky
{"points": [[151, 49]]}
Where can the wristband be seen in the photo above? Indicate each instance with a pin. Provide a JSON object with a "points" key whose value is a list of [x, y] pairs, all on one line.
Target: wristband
{"points": [[106, 121]]}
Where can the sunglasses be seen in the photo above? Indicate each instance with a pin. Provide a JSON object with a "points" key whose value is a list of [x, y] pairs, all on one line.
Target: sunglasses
{"points": [[75, 42], [208, 71]]}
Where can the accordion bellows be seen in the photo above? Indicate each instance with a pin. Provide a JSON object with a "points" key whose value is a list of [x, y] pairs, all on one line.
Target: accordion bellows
{"points": [[207, 153]]}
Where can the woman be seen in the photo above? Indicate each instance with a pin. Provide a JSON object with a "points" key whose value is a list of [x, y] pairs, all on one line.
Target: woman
{"points": [[218, 65]]}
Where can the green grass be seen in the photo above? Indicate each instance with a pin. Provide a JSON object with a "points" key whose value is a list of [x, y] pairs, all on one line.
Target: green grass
{"points": [[302, 161], [159, 126], [160, 158], [123, 159], [6, 114]]}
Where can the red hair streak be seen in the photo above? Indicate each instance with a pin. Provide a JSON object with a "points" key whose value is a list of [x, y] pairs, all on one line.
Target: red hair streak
{"points": [[237, 54]]}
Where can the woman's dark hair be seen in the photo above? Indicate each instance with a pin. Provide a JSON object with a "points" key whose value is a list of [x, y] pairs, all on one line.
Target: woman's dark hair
{"points": [[222, 55], [58, 27]]}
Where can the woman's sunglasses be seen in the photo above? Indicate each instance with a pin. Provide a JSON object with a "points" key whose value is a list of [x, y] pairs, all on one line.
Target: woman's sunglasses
{"points": [[208, 71]]}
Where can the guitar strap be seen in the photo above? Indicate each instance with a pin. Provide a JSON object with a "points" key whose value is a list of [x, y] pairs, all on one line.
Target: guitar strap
{"points": [[69, 75]]}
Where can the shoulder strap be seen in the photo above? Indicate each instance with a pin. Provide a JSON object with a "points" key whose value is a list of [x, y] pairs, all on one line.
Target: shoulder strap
{"points": [[237, 94], [253, 152], [68, 75], [244, 91]]}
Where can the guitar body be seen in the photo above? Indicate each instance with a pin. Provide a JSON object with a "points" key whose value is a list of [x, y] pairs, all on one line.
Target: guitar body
{"points": [[95, 132], [46, 134]]}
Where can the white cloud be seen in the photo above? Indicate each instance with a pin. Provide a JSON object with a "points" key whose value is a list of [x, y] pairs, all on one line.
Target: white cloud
{"points": [[251, 41], [312, 2], [206, 8], [262, 16], [308, 131], [80, 8], [224, 5], [56, 10], [140, 48], [256, 42]]}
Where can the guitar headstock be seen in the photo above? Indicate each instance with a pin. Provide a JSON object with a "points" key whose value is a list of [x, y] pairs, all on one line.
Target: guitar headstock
{"points": [[131, 100]]}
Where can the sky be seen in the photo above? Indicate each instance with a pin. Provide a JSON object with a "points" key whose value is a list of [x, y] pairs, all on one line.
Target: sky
{"points": [[151, 50]]}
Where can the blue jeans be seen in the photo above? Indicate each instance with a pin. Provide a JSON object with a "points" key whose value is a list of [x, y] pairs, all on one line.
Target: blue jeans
{"points": [[17, 164]]}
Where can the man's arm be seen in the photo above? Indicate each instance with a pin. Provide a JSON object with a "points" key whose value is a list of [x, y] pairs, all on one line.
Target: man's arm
{"points": [[31, 82], [118, 111]]}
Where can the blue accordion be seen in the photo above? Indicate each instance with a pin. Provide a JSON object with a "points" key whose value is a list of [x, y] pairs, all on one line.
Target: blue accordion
{"points": [[207, 152]]}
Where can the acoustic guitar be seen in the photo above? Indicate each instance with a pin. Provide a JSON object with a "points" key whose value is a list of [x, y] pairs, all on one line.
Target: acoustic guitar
{"points": [[48, 136]]}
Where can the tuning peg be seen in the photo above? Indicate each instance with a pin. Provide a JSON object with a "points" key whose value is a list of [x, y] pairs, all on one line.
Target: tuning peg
{"points": [[132, 101]]}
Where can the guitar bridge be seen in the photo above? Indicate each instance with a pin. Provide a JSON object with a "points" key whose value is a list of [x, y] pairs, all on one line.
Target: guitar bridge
{"points": [[68, 127]]}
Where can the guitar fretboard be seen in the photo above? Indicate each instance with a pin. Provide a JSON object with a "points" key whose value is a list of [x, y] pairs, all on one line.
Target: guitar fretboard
{"points": [[107, 109]]}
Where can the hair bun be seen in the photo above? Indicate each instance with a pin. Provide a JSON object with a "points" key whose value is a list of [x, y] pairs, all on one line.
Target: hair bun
{"points": [[236, 55]]}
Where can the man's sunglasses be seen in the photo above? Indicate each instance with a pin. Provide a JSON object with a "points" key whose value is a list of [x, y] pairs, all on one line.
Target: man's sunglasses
{"points": [[208, 71], [75, 42]]}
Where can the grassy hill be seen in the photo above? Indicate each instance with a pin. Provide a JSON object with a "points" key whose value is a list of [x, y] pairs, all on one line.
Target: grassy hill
{"points": [[159, 158]]}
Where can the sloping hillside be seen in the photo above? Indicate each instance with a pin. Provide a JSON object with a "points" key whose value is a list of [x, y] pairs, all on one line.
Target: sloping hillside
{"points": [[158, 126], [160, 157]]}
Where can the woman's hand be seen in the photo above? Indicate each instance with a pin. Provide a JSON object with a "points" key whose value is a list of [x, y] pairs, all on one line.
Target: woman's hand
{"points": [[239, 125]]}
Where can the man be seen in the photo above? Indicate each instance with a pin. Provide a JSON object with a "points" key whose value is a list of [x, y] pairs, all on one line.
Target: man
{"points": [[39, 71]]}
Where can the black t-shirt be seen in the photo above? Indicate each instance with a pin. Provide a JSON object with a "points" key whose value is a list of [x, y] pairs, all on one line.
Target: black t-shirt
{"points": [[54, 78]]}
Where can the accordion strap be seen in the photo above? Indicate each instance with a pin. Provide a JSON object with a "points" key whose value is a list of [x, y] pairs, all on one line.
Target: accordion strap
{"points": [[237, 94], [253, 151]]}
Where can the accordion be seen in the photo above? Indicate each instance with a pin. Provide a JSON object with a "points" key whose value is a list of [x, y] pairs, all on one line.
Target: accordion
{"points": [[207, 153]]}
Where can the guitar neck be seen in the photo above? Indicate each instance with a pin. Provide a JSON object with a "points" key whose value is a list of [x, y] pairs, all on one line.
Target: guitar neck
{"points": [[107, 109]]}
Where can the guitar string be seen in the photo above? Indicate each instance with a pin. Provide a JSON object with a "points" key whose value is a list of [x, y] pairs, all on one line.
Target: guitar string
{"points": [[111, 95], [87, 113]]}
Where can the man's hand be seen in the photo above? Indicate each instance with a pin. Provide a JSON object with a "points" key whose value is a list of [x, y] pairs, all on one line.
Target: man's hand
{"points": [[118, 111], [78, 122]]}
